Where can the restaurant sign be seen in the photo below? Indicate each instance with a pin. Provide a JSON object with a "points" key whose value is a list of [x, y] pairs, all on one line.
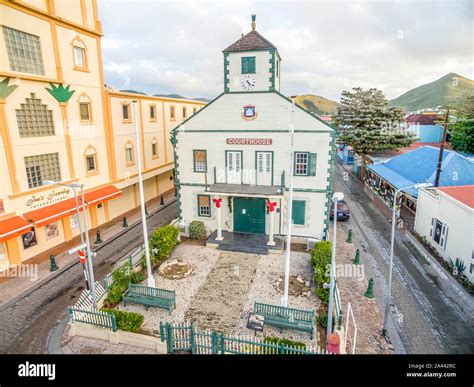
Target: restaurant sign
{"points": [[46, 199], [249, 141]]}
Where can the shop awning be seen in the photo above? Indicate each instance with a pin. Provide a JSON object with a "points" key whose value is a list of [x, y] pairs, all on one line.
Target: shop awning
{"points": [[12, 227], [101, 195], [46, 215]]}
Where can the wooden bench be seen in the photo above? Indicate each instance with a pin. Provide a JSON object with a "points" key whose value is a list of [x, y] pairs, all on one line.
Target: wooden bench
{"points": [[286, 318], [148, 296]]}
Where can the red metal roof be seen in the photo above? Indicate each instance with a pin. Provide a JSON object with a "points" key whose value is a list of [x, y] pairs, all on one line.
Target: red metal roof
{"points": [[462, 193], [102, 194], [12, 227], [422, 119]]}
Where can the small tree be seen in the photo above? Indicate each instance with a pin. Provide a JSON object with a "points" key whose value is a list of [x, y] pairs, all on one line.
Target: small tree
{"points": [[461, 127], [368, 124]]}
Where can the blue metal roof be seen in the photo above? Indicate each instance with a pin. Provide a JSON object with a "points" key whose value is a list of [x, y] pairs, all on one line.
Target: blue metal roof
{"points": [[419, 166]]}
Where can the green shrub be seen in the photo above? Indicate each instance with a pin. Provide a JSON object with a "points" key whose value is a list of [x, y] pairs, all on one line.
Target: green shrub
{"points": [[323, 320], [197, 230], [162, 242], [277, 341], [122, 278], [320, 261], [127, 321]]}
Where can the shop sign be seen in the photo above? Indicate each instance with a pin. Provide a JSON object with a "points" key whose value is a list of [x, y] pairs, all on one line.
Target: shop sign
{"points": [[46, 199], [249, 141], [29, 239]]}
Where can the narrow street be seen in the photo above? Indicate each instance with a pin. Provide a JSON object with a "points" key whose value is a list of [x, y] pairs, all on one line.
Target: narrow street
{"points": [[27, 324], [424, 319]]}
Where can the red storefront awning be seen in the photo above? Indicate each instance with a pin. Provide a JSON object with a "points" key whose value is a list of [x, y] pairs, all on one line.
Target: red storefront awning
{"points": [[49, 214], [101, 195], [12, 227]]}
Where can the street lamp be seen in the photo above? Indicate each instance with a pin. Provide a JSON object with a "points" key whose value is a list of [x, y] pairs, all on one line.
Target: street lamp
{"points": [[394, 215], [86, 231], [150, 279], [337, 196]]}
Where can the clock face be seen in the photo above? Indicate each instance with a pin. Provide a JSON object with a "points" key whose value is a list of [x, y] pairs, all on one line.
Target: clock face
{"points": [[247, 82]]}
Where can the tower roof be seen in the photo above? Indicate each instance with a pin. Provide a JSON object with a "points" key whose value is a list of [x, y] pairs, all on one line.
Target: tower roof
{"points": [[251, 41]]}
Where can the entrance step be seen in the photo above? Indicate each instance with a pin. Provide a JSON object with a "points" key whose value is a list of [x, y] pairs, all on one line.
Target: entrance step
{"points": [[263, 250]]}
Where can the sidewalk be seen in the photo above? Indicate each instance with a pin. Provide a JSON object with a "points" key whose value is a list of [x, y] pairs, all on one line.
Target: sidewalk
{"points": [[368, 317], [12, 288]]}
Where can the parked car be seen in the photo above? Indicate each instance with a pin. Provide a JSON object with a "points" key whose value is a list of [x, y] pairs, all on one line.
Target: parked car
{"points": [[342, 211]]}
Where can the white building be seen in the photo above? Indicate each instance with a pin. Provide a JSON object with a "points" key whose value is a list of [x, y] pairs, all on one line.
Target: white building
{"points": [[445, 217], [237, 151]]}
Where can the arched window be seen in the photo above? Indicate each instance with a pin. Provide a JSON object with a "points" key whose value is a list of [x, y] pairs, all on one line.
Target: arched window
{"points": [[79, 54], [85, 108], [154, 148], [90, 158], [129, 154]]}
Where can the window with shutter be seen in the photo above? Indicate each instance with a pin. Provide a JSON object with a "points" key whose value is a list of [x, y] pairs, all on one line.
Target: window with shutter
{"points": [[200, 161], [298, 214], [312, 164], [204, 205], [248, 65], [444, 237]]}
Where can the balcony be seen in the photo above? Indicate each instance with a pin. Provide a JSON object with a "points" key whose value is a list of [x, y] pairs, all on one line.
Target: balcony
{"points": [[245, 190]]}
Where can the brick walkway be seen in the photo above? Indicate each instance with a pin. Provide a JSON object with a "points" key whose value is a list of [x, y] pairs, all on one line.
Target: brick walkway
{"points": [[11, 287], [218, 304], [352, 288]]}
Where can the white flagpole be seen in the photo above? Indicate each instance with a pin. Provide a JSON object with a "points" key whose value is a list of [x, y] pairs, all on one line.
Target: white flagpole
{"points": [[284, 300], [150, 279]]}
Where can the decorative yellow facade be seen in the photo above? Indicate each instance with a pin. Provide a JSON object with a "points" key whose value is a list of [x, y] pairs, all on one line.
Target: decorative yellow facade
{"points": [[80, 137]]}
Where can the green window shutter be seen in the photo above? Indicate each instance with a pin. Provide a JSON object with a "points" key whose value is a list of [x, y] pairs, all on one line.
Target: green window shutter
{"points": [[312, 164], [248, 65], [298, 214], [251, 64]]}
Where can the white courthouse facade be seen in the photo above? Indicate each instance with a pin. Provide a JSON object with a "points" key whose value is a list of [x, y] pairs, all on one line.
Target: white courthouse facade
{"points": [[233, 157]]}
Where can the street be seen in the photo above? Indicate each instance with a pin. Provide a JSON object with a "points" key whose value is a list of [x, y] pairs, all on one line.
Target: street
{"points": [[425, 320], [27, 324]]}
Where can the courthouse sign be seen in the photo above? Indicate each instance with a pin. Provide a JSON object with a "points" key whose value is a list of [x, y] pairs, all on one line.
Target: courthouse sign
{"points": [[249, 141]]}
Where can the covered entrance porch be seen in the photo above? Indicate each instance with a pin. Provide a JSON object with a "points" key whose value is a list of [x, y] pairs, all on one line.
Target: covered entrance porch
{"points": [[245, 242]]}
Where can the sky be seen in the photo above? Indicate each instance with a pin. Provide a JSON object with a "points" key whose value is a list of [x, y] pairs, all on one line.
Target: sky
{"points": [[158, 46]]}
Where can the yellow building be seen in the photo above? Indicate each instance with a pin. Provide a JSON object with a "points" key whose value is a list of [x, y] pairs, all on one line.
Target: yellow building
{"points": [[59, 122]]}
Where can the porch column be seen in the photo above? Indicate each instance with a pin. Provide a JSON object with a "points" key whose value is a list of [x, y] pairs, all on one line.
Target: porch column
{"points": [[271, 208], [217, 202]]}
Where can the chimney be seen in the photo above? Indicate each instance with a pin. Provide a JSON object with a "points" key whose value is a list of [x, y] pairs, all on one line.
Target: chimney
{"points": [[254, 23]]}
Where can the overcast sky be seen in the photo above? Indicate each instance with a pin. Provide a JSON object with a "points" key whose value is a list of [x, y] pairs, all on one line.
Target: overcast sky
{"points": [[326, 47]]}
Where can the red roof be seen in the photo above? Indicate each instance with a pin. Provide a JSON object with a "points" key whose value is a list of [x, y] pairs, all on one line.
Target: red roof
{"points": [[102, 194], [12, 227], [422, 119], [462, 193]]}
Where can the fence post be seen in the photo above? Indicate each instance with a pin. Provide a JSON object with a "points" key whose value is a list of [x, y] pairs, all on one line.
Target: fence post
{"points": [[215, 343], [191, 339], [222, 344], [281, 349], [114, 322], [69, 311], [169, 338]]}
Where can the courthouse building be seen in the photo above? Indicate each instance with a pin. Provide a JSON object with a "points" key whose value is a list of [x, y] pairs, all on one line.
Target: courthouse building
{"points": [[233, 158], [59, 122]]}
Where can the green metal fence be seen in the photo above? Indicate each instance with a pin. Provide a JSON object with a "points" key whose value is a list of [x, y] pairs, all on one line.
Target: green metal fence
{"points": [[185, 338], [93, 317]]}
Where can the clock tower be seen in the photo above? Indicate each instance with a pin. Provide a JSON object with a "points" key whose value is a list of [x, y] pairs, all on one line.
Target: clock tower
{"points": [[251, 64]]}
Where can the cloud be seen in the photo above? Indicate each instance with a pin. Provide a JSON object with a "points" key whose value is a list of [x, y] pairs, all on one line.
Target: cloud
{"points": [[326, 47]]}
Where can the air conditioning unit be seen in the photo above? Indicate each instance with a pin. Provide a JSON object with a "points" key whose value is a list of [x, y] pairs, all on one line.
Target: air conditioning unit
{"points": [[310, 243]]}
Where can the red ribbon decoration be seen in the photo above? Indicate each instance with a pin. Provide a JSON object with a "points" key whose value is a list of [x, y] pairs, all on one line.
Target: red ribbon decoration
{"points": [[217, 202], [271, 206]]}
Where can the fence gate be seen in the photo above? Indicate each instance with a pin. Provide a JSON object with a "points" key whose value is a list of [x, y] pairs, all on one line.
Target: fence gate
{"points": [[351, 329]]}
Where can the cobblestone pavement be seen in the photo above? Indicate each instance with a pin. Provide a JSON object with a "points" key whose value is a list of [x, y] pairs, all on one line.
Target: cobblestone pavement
{"points": [[218, 304], [423, 318], [202, 259], [352, 284], [263, 289], [26, 325], [86, 346]]}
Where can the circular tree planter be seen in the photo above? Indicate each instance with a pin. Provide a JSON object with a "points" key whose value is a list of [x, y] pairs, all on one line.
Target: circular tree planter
{"points": [[176, 269]]}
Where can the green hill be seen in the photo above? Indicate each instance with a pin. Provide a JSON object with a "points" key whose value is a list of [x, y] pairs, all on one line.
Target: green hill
{"points": [[317, 104], [442, 92]]}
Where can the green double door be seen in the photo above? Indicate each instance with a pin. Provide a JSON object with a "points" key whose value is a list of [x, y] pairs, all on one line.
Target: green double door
{"points": [[249, 215]]}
